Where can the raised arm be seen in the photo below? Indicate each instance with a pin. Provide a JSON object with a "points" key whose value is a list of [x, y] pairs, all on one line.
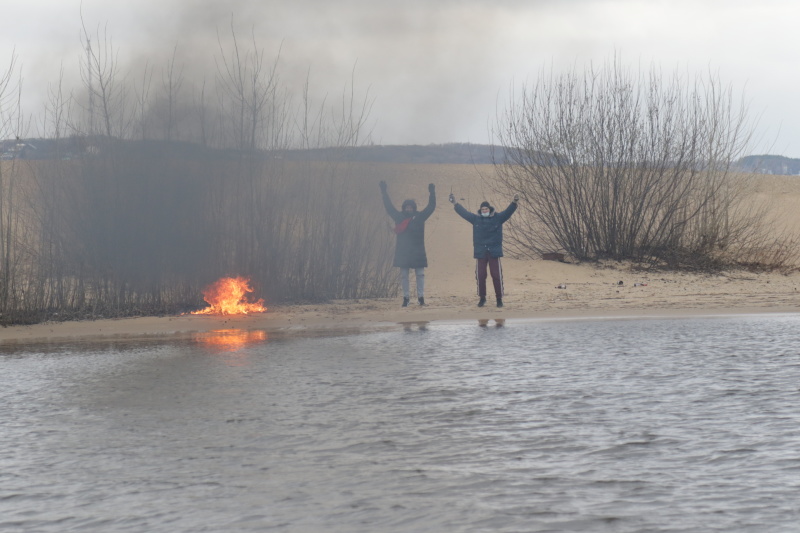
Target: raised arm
{"points": [[387, 203], [466, 215], [505, 215], [428, 211]]}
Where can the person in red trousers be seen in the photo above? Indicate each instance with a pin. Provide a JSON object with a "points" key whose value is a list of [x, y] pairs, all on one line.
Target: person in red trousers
{"points": [[487, 240]]}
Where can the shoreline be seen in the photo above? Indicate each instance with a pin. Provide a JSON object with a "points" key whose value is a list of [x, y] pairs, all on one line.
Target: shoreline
{"points": [[535, 290], [305, 321]]}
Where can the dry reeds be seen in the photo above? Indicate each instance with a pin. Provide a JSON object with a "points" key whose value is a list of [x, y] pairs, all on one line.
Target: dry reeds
{"points": [[152, 194]]}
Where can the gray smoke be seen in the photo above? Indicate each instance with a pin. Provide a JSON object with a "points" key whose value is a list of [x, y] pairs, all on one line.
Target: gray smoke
{"points": [[426, 67]]}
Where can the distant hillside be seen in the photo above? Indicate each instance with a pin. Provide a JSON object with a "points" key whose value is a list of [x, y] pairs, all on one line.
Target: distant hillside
{"points": [[456, 153], [770, 164], [460, 153]]}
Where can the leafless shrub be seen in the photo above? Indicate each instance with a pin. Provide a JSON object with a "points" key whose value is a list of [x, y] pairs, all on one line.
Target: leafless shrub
{"points": [[611, 164], [13, 222]]}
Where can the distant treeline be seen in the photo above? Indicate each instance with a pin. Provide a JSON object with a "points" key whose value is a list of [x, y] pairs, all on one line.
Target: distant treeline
{"points": [[770, 164], [452, 153], [449, 153]]}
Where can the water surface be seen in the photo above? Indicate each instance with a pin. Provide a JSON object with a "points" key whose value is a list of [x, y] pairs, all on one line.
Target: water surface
{"points": [[588, 425]]}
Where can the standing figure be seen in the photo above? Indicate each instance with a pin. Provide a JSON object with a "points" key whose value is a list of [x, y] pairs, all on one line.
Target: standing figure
{"points": [[410, 249], [487, 240]]}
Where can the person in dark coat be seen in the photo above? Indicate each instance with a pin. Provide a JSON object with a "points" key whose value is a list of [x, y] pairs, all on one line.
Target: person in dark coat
{"points": [[410, 249], [487, 241]]}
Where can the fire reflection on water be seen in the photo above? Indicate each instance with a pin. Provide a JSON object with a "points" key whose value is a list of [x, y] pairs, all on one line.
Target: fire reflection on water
{"points": [[230, 340]]}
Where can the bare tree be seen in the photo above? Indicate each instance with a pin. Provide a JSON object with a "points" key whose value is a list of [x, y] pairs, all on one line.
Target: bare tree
{"points": [[9, 111], [11, 123], [106, 91], [624, 165], [253, 90], [201, 110], [349, 125], [143, 100], [55, 122], [171, 82]]}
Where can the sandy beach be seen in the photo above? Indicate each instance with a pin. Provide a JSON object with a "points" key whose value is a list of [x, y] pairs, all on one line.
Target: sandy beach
{"points": [[531, 286], [531, 293]]}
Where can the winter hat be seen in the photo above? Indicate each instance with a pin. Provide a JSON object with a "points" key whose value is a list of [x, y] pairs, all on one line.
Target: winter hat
{"points": [[485, 204], [412, 203]]}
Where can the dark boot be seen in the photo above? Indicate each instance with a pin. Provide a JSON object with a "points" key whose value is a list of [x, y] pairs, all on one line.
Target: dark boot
{"points": [[421, 300], [499, 302], [405, 302], [482, 301]]}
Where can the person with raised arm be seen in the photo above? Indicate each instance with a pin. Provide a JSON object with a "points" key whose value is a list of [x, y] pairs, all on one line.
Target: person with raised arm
{"points": [[487, 242], [409, 252]]}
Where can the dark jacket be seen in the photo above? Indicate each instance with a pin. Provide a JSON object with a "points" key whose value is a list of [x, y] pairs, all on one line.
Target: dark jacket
{"points": [[487, 232], [410, 249]]}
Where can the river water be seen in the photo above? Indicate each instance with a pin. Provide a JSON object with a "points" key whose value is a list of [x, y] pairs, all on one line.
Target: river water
{"points": [[582, 425]]}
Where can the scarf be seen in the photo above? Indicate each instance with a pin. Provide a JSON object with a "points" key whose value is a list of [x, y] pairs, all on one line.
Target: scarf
{"points": [[401, 227]]}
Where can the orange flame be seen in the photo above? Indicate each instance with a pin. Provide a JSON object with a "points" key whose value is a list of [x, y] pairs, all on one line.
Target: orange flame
{"points": [[226, 296]]}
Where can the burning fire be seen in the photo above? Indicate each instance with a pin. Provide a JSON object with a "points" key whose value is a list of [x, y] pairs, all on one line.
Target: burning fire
{"points": [[226, 296]]}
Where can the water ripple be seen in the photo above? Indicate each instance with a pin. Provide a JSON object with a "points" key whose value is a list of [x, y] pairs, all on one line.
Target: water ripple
{"points": [[626, 425]]}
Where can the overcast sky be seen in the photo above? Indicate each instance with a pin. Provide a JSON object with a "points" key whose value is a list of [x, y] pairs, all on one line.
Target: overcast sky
{"points": [[437, 69]]}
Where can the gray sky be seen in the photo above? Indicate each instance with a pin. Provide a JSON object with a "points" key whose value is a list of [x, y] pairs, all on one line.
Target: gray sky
{"points": [[437, 70]]}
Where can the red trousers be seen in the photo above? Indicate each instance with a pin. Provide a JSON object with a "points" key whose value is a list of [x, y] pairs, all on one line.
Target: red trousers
{"points": [[497, 275]]}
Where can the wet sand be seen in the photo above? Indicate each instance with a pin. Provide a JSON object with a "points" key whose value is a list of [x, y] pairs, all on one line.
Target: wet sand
{"points": [[532, 292]]}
